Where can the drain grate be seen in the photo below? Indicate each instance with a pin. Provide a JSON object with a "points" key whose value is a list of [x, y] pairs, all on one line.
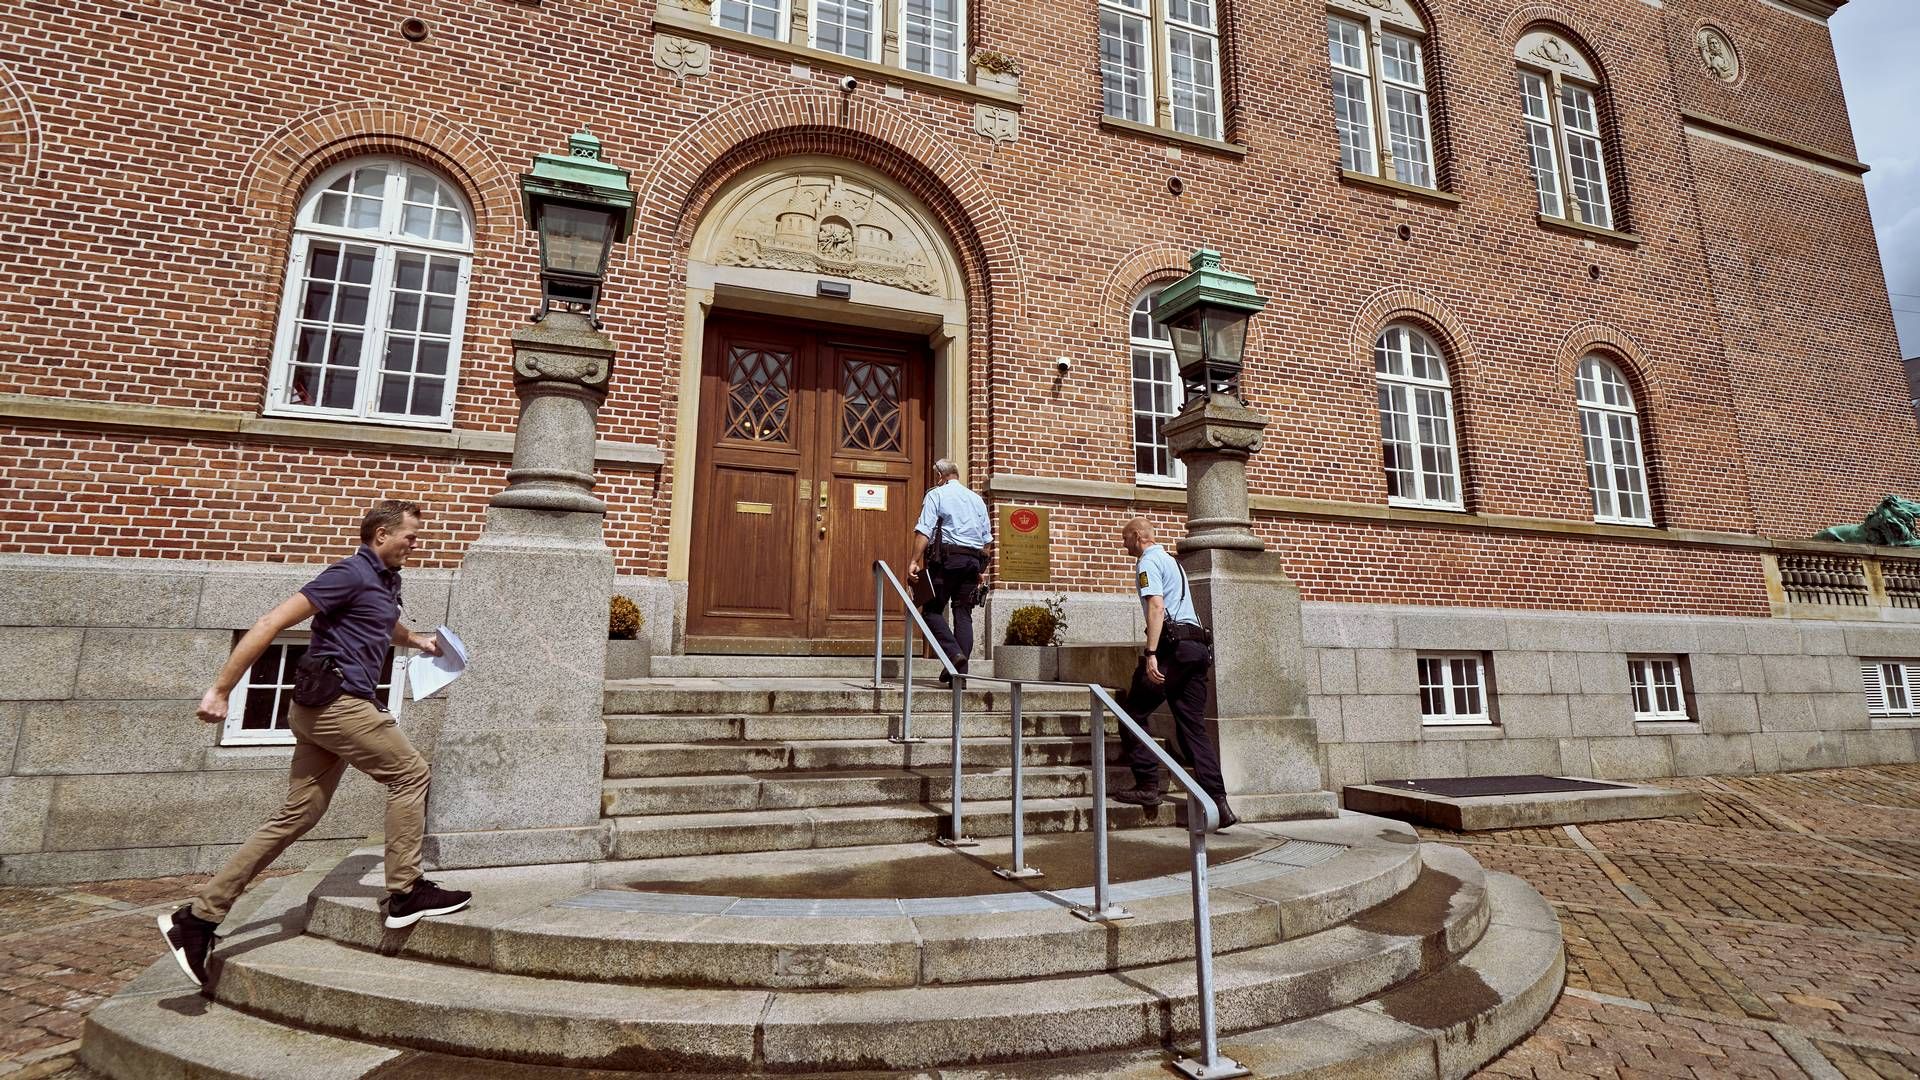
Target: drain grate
{"points": [[1463, 787]]}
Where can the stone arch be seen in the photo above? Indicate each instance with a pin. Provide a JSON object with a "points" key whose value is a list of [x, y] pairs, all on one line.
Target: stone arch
{"points": [[1407, 304], [1649, 393], [270, 184], [20, 133], [1605, 54]]}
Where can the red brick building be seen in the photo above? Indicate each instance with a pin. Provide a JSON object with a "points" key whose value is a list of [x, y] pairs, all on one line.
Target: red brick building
{"points": [[1595, 279]]}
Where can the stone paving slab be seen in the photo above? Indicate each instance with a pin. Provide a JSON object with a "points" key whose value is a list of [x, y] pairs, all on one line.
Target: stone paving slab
{"points": [[1719, 944]]}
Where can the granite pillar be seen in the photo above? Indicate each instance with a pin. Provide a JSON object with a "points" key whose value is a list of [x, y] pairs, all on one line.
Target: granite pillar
{"points": [[1258, 700], [518, 765]]}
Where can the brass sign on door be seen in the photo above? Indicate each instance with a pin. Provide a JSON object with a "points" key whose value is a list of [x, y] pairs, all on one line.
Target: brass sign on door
{"points": [[752, 508], [1025, 544]]}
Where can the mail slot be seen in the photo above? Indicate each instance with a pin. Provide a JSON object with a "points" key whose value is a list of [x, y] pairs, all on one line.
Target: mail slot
{"points": [[752, 508]]}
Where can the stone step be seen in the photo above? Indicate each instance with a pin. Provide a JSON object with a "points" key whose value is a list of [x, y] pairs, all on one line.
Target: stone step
{"points": [[835, 755], [858, 787], [661, 836], [716, 696], [323, 985], [1303, 881], [714, 666], [627, 728]]}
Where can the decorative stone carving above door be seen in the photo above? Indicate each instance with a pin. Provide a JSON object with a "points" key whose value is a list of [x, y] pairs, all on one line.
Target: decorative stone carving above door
{"points": [[832, 224]]}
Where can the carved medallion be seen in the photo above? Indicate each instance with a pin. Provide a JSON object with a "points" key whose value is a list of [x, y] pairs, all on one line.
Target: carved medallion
{"points": [[1392, 12], [1543, 48], [1000, 125], [682, 58], [828, 225], [1717, 52]]}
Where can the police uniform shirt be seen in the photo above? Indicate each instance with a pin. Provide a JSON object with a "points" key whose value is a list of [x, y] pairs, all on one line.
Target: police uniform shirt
{"points": [[959, 512], [1160, 576]]}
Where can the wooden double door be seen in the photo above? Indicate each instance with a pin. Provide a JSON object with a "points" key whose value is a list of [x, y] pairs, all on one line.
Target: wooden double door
{"points": [[813, 455]]}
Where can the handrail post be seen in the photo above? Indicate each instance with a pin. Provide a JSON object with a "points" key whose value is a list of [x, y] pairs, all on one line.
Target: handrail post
{"points": [[1211, 1065], [879, 623], [1103, 910], [1019, 869], [956, 834], [906, 680]]}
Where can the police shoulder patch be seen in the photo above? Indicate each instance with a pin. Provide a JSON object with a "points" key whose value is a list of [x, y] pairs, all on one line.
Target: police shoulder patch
{"points": [[1143, 579]]}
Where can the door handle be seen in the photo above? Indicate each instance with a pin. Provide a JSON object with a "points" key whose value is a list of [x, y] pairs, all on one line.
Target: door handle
{"points": [[820, 518]]}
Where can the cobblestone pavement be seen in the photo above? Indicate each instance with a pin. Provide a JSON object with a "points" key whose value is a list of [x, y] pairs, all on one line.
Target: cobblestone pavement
{"points": [[1774, 934]]}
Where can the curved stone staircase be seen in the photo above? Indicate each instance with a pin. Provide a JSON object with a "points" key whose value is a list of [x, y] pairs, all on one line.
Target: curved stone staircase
{"points": [[743, 944]]}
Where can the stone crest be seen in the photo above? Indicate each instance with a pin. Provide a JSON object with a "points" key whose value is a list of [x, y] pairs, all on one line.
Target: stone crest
{"points": [[1392, 12], [1000, 125], [681, 57], [1717, 52], [829, 225], [1543, 48]]}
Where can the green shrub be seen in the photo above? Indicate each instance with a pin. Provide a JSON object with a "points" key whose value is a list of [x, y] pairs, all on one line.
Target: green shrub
{"points": [[1038, 624], [624, 619]]}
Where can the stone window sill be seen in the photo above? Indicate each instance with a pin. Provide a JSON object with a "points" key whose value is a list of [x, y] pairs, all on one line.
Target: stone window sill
{"points": [[1457, 732], [1666, 727], [1581, 229], [1395, 187], [1895, 723], [1128, 127], [682, 22]]}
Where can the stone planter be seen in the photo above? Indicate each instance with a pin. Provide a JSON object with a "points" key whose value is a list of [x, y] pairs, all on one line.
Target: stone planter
{"points": [[1109, 664], [629, 659], [1025, 661]]}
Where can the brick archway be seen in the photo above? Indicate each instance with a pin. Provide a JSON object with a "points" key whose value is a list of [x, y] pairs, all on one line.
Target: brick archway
{"points": [[20, 133], [1404, 303], [1649, 391]]}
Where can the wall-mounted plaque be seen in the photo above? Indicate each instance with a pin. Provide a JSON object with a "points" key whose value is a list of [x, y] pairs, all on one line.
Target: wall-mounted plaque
{"points": [[744, 507], [869, 496], [1025, 544]]}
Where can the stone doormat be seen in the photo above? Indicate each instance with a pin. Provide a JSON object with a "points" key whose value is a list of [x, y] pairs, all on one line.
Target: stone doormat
{"points": [[1473, 804], [1458, 787]]}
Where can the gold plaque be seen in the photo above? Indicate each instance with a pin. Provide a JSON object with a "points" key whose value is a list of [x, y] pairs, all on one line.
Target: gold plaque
{"points": [[752, 508], [869, 466], [1025, 544]]}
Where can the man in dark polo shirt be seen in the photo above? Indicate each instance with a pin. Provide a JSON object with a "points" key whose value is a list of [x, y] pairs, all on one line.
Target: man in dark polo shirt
{"points": [[355, 607]]}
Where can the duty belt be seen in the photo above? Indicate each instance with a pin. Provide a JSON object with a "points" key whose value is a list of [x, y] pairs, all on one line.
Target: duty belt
{"points": [[956, 549], [1185, 631]]}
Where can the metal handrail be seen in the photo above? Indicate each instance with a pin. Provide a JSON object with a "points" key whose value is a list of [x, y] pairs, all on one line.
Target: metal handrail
{"points": [[1203, 814]]}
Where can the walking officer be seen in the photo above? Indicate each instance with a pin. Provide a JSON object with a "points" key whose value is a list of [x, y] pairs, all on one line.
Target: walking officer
{"points": [[1173, 668], [952, 542]]}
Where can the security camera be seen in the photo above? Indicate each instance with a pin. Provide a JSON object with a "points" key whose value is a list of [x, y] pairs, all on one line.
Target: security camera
{"points": [[848, 84], [1065, 365]]}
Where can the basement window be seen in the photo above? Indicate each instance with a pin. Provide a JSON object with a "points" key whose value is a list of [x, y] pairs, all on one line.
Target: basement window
{"points": [[257, 710], [1453, 689]]}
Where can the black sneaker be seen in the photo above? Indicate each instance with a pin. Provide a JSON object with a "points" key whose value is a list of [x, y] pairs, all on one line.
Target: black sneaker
{"points": [[1139, 796], [189, 939], [424, 899]]}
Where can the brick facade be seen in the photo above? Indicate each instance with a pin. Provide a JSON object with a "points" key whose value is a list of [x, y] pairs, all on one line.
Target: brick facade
{"points": [[152, 153]]}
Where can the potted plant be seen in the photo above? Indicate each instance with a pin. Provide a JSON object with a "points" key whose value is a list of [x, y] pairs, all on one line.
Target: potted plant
{"points": [[1032, 649], [996, 70], [628, 656]]}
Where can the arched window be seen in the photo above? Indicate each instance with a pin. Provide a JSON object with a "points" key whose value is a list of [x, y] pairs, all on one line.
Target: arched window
{"points": [[1559, 95], [1416, 420], [1380, 85], [1160, 64], [1156, 396], [376, 293], [1610, 430]]}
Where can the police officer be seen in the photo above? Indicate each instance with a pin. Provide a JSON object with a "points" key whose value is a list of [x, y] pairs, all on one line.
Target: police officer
{"points": [[954, 524], [1173, 668]]}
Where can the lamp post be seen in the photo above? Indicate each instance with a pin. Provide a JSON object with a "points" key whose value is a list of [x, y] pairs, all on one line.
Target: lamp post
{"points": [[1206, 314], [580, 206]]}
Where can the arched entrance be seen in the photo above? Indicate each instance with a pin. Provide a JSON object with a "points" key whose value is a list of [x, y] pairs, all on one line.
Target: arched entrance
{"points": [[823, 369]]}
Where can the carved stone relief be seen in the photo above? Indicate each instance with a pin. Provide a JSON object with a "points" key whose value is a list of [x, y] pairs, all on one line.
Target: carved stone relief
{"points": [[1392, 12], [682, 57], [1543, 48], [1000, 125], [828, 225], [1717, 52]]}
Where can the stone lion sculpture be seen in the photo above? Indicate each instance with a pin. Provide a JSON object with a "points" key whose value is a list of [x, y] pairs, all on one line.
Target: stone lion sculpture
{"points": [[1891, 524]]}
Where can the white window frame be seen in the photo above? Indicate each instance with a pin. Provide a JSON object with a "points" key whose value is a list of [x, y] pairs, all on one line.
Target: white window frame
{"points": [[1458, 673], [1157, 77], [1381, 158], [1607, 407], [959, 43], [783, 22], [876, 28], [1159, 345], [234, 733], [1562, 68], [1657, 686], [1892, 688], [388, 243], [1411, 388]]}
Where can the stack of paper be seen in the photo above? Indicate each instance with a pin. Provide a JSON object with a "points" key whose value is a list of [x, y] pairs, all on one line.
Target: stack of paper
{"points": [[429, 674]]}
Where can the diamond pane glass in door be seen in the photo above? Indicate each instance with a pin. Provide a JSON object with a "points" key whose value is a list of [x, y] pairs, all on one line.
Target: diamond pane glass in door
{"points": [[759, 395], [870, 409]]}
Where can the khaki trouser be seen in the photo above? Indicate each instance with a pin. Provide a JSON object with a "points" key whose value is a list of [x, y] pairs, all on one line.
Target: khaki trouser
{"points": [[348, 732]]}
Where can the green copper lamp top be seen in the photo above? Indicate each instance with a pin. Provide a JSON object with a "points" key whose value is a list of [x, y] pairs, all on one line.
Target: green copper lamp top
{"points": [[579, 175], [1208, 284]]}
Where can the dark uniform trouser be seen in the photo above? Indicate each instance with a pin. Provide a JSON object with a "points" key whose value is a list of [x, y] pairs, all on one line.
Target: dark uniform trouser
{"points": [[955, 581], [1185, 693]]}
